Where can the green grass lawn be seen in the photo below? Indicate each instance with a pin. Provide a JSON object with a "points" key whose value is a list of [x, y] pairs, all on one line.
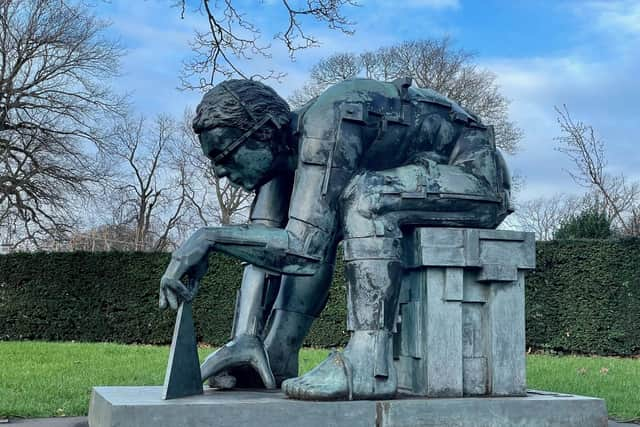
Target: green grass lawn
{"points": [[40, 379], [616, 380]]}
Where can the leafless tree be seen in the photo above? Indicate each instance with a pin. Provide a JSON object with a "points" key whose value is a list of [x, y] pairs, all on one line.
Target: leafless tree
{"points": [[233, 37], [544, 215], [162, 188], [435, 64], [381, 64], [107, 237], [54, 61], [150, 192], [618, 196], [214, 200], [335, 68]]}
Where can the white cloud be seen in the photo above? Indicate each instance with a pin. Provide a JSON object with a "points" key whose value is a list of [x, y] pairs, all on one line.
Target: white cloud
{"points": [[601, 94], [612, 27], [156, 42], [596, 79], [621, 16]]}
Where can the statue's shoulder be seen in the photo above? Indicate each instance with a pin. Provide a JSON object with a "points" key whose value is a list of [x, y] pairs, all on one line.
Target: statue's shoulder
{"points": [[369, 91], [357, 90], [430, 96], [297, 115]]}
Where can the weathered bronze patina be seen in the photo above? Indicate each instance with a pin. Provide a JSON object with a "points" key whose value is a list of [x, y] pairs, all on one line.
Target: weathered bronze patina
{"points": [[362, 164]]}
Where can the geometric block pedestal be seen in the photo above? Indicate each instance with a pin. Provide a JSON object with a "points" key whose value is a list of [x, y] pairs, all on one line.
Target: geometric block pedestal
{"points": [[461, 329], [144, 407]]}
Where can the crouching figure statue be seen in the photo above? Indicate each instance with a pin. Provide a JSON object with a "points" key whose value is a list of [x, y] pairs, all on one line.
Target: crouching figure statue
{"points": [[361, 164]]}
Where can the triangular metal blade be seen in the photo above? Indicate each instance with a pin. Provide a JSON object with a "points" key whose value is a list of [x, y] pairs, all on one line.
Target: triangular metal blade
{"points": [[183, 369]]}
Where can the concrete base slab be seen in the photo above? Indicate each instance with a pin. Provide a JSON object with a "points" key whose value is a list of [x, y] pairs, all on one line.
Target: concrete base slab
{"points": [[143, 406]]}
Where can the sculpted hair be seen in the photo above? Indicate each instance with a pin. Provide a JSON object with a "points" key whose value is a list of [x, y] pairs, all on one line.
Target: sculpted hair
{"points": [[240, 104]]}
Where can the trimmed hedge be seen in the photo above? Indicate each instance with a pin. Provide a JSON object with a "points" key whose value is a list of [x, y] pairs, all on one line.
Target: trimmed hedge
{"points": [[113, 296], [583, 297]]}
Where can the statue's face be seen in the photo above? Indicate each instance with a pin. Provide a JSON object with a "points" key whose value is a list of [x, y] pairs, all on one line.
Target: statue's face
{"points": [[249, 165]]}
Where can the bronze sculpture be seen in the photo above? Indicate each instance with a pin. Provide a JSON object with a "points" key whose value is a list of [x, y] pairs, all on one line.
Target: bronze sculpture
{"points": [[362, 164]]}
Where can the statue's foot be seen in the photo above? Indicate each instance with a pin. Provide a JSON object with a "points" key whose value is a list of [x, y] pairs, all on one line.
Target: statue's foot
{"points": [[363, 371], [330, 380], [242, 351]]}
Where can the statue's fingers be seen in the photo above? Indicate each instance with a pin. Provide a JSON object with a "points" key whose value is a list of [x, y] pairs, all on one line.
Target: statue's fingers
{"points": [[176, 287], [162, 303], [194, 284], [172, 299]]}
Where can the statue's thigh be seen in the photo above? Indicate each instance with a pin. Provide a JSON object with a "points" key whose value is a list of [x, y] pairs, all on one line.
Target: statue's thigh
{"points": [[384, 202], [371, 196]]}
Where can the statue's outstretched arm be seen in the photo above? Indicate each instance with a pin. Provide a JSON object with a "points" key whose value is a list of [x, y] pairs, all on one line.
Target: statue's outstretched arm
{"points": [[263, 246]]}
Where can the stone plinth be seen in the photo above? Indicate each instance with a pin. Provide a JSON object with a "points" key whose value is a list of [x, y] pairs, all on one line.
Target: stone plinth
{"points": [[144, 407], [461, 329]]}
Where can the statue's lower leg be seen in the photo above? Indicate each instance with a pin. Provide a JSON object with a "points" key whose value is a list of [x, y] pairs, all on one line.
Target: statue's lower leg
{"points": [[271, 352], [299, 302], [364, 370], [243, 361], [283, 343]]}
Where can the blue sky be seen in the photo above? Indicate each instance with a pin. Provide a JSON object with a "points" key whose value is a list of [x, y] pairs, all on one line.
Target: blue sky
{"points": [[585, 54]]}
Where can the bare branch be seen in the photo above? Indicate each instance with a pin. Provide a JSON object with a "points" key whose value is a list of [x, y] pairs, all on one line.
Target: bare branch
{"points": [[233, 38], [618, 197], [328, 11]]}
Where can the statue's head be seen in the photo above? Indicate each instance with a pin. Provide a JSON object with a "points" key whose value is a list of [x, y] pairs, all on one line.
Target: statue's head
{"points": [[240, 124]]}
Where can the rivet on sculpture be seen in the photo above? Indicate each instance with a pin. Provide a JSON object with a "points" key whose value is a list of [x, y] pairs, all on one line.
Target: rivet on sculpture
{"points": [[369, 164]]}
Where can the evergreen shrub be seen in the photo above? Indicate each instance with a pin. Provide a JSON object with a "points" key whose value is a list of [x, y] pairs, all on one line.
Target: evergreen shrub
{"points": [[583, 297]]}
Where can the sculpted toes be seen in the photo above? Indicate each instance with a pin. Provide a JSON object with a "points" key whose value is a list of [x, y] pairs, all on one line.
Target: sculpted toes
{"points": [[308, 394], [293, 392], [290, 388]]}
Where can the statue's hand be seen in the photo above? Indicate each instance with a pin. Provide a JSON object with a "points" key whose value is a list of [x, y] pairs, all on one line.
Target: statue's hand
{"points": [[172, 290], [190, 259]]}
